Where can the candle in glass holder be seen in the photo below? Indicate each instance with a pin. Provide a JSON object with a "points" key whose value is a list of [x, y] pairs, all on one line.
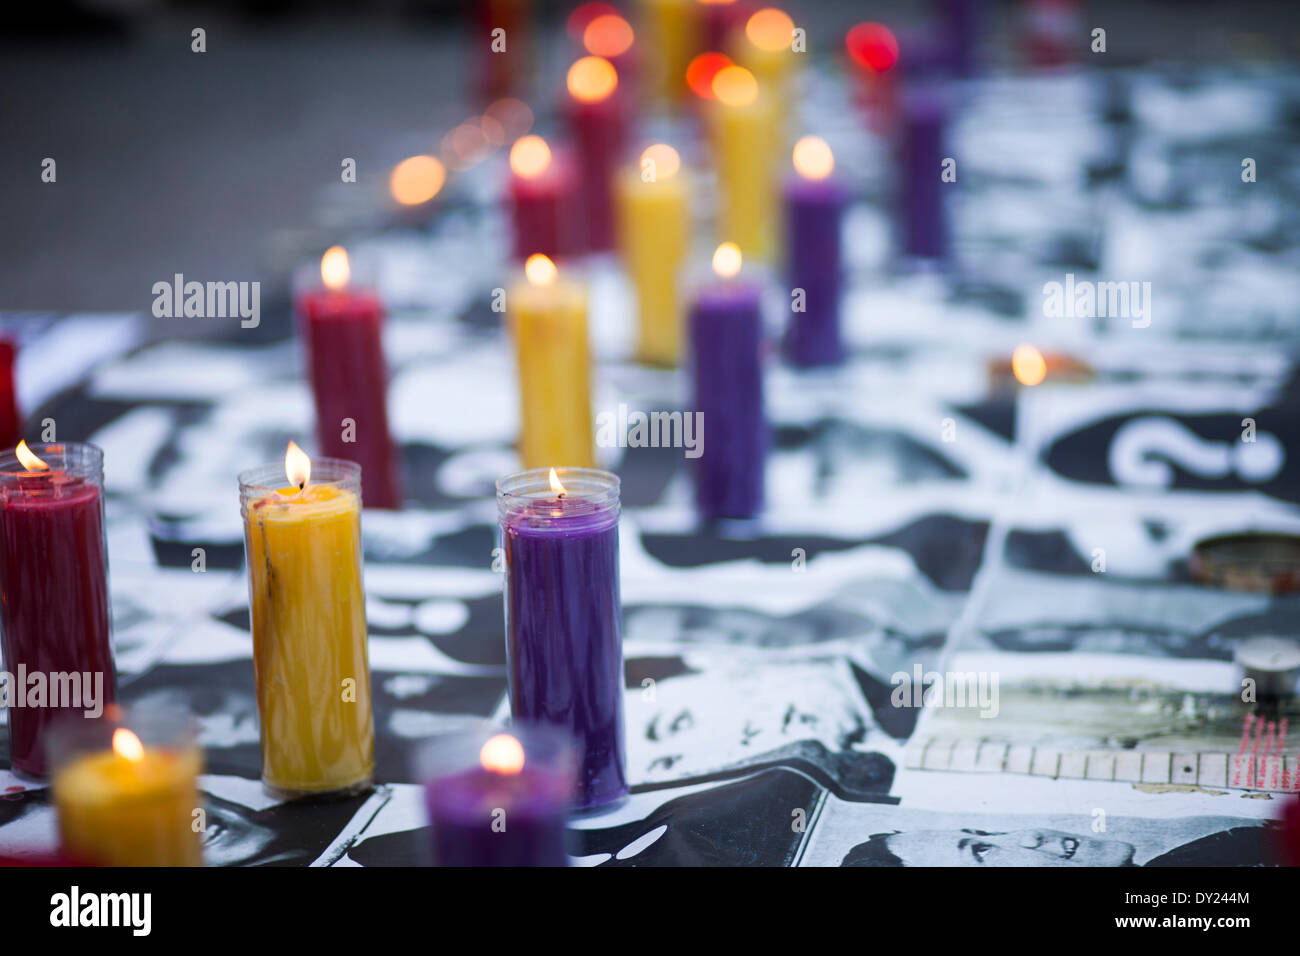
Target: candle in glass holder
{"points": [[596, 116], [302, 531], [343, 328], [654, 230], [814, 214], [548, 319], [54, 618], [742, 122], [726, 341], [543, 200], [564, 648], [499, 797], [126, 790]]}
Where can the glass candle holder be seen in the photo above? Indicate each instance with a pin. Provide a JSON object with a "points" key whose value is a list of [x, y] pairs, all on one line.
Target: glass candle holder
{"points": [[309, 629], [499, 796], [564, 646], [54, 616], [126, 789]]}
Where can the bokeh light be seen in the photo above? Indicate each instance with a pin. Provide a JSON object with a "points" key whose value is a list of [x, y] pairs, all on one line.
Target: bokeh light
{"points": [[417, 180], [608, 35], [592, 79], [813, 158], [770, 29], [872, 46], [735, 86], [530, 157]]}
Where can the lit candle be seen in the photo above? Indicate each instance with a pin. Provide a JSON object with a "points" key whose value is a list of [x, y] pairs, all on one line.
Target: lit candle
{"points": [[499, 798], [595, 114], [726, 368], [922, 218], [765, 48], [548, 319], [814, 212], [126, 801], [344, 329], [654, 230], [671, 32], [54, 616], [609, 36], [559, 531], [543, 200], [302, 530], [743, 141]]}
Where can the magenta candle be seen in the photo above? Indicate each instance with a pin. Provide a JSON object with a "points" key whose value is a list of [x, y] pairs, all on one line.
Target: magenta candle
{"points": [[54, 618], [543, 200], [595, 112], [343, 329], [499, 797], [564, 645]]}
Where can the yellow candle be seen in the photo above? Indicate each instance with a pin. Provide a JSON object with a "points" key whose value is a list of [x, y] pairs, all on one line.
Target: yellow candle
{"points": [[765, 48], [309, 626], [744, 148], [131, 805], [653, 233], [548, 319], [670, 29]]}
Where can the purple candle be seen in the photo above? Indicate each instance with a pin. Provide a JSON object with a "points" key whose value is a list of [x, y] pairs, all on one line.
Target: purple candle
{"points": [[814, 209], [499, 798], [726, 337], [961, 30], [564, 644], [922, 218]]}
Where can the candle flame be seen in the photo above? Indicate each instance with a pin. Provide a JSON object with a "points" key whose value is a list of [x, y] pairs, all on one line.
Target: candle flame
{"points": [[608, 35], [666, 162], [559, 489], [727, 260], [540, 270], [592, 79], [813, 158], [127, 745], [415, 180], [28, 459], [701, 71], [770, 30], [335, 270], [297, 466], [529, 157], [1028, 365], [502, 754], [735, 86]]}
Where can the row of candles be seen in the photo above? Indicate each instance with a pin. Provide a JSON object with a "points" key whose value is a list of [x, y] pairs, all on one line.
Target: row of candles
{"points": [[125, 783]]}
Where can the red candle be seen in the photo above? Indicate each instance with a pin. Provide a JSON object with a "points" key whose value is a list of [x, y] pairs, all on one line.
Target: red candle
{"points": [[718, 18], [543, 197], [597, 122], [11, 422], [54, 619], [344, 332], [504, 35]]}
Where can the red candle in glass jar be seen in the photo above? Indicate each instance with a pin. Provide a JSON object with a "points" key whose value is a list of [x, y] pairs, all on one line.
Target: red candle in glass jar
{"points": [[597, 122], [344, 329], [54, 619], [543, 197]]}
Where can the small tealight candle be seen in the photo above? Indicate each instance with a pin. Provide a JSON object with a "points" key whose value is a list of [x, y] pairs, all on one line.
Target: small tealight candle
{"points": [[343, 328], [814, 214], [543, 200], [499, 797], [302, 532], [726, 342], [654, 230], [126, 790]]}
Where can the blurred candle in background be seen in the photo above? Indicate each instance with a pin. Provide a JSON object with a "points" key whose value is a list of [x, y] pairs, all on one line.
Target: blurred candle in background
{"points": [[499, 797], [719, 19], [764, 47], [126, 790], [503, 36], [609, 36], [548, 320], [564, 648], [654, 230], [54, 616], [741, 120], [543, 200], [594, 111], [344, 328], [920, 201], [726, 341], [670, 32], [814, 215], [302, 531], [11, 421], [960, 23]]}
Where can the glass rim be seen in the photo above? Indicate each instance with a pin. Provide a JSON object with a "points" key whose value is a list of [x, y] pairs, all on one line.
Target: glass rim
{"points": [[324, 471], [88, 458], [73, 735], [533, 483], [456, 750]]}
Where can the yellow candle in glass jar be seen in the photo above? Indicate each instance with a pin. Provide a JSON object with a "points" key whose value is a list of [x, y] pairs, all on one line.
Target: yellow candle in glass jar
{"points": [[309, 626], [653, 233], [744, 143], [548, 320], [131, 805]]}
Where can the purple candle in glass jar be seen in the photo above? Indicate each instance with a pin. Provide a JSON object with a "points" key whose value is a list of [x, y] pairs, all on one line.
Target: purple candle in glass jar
{"points": [[814, 207], [564, 642], [726, 338], [923, 224], [499, 797]]}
